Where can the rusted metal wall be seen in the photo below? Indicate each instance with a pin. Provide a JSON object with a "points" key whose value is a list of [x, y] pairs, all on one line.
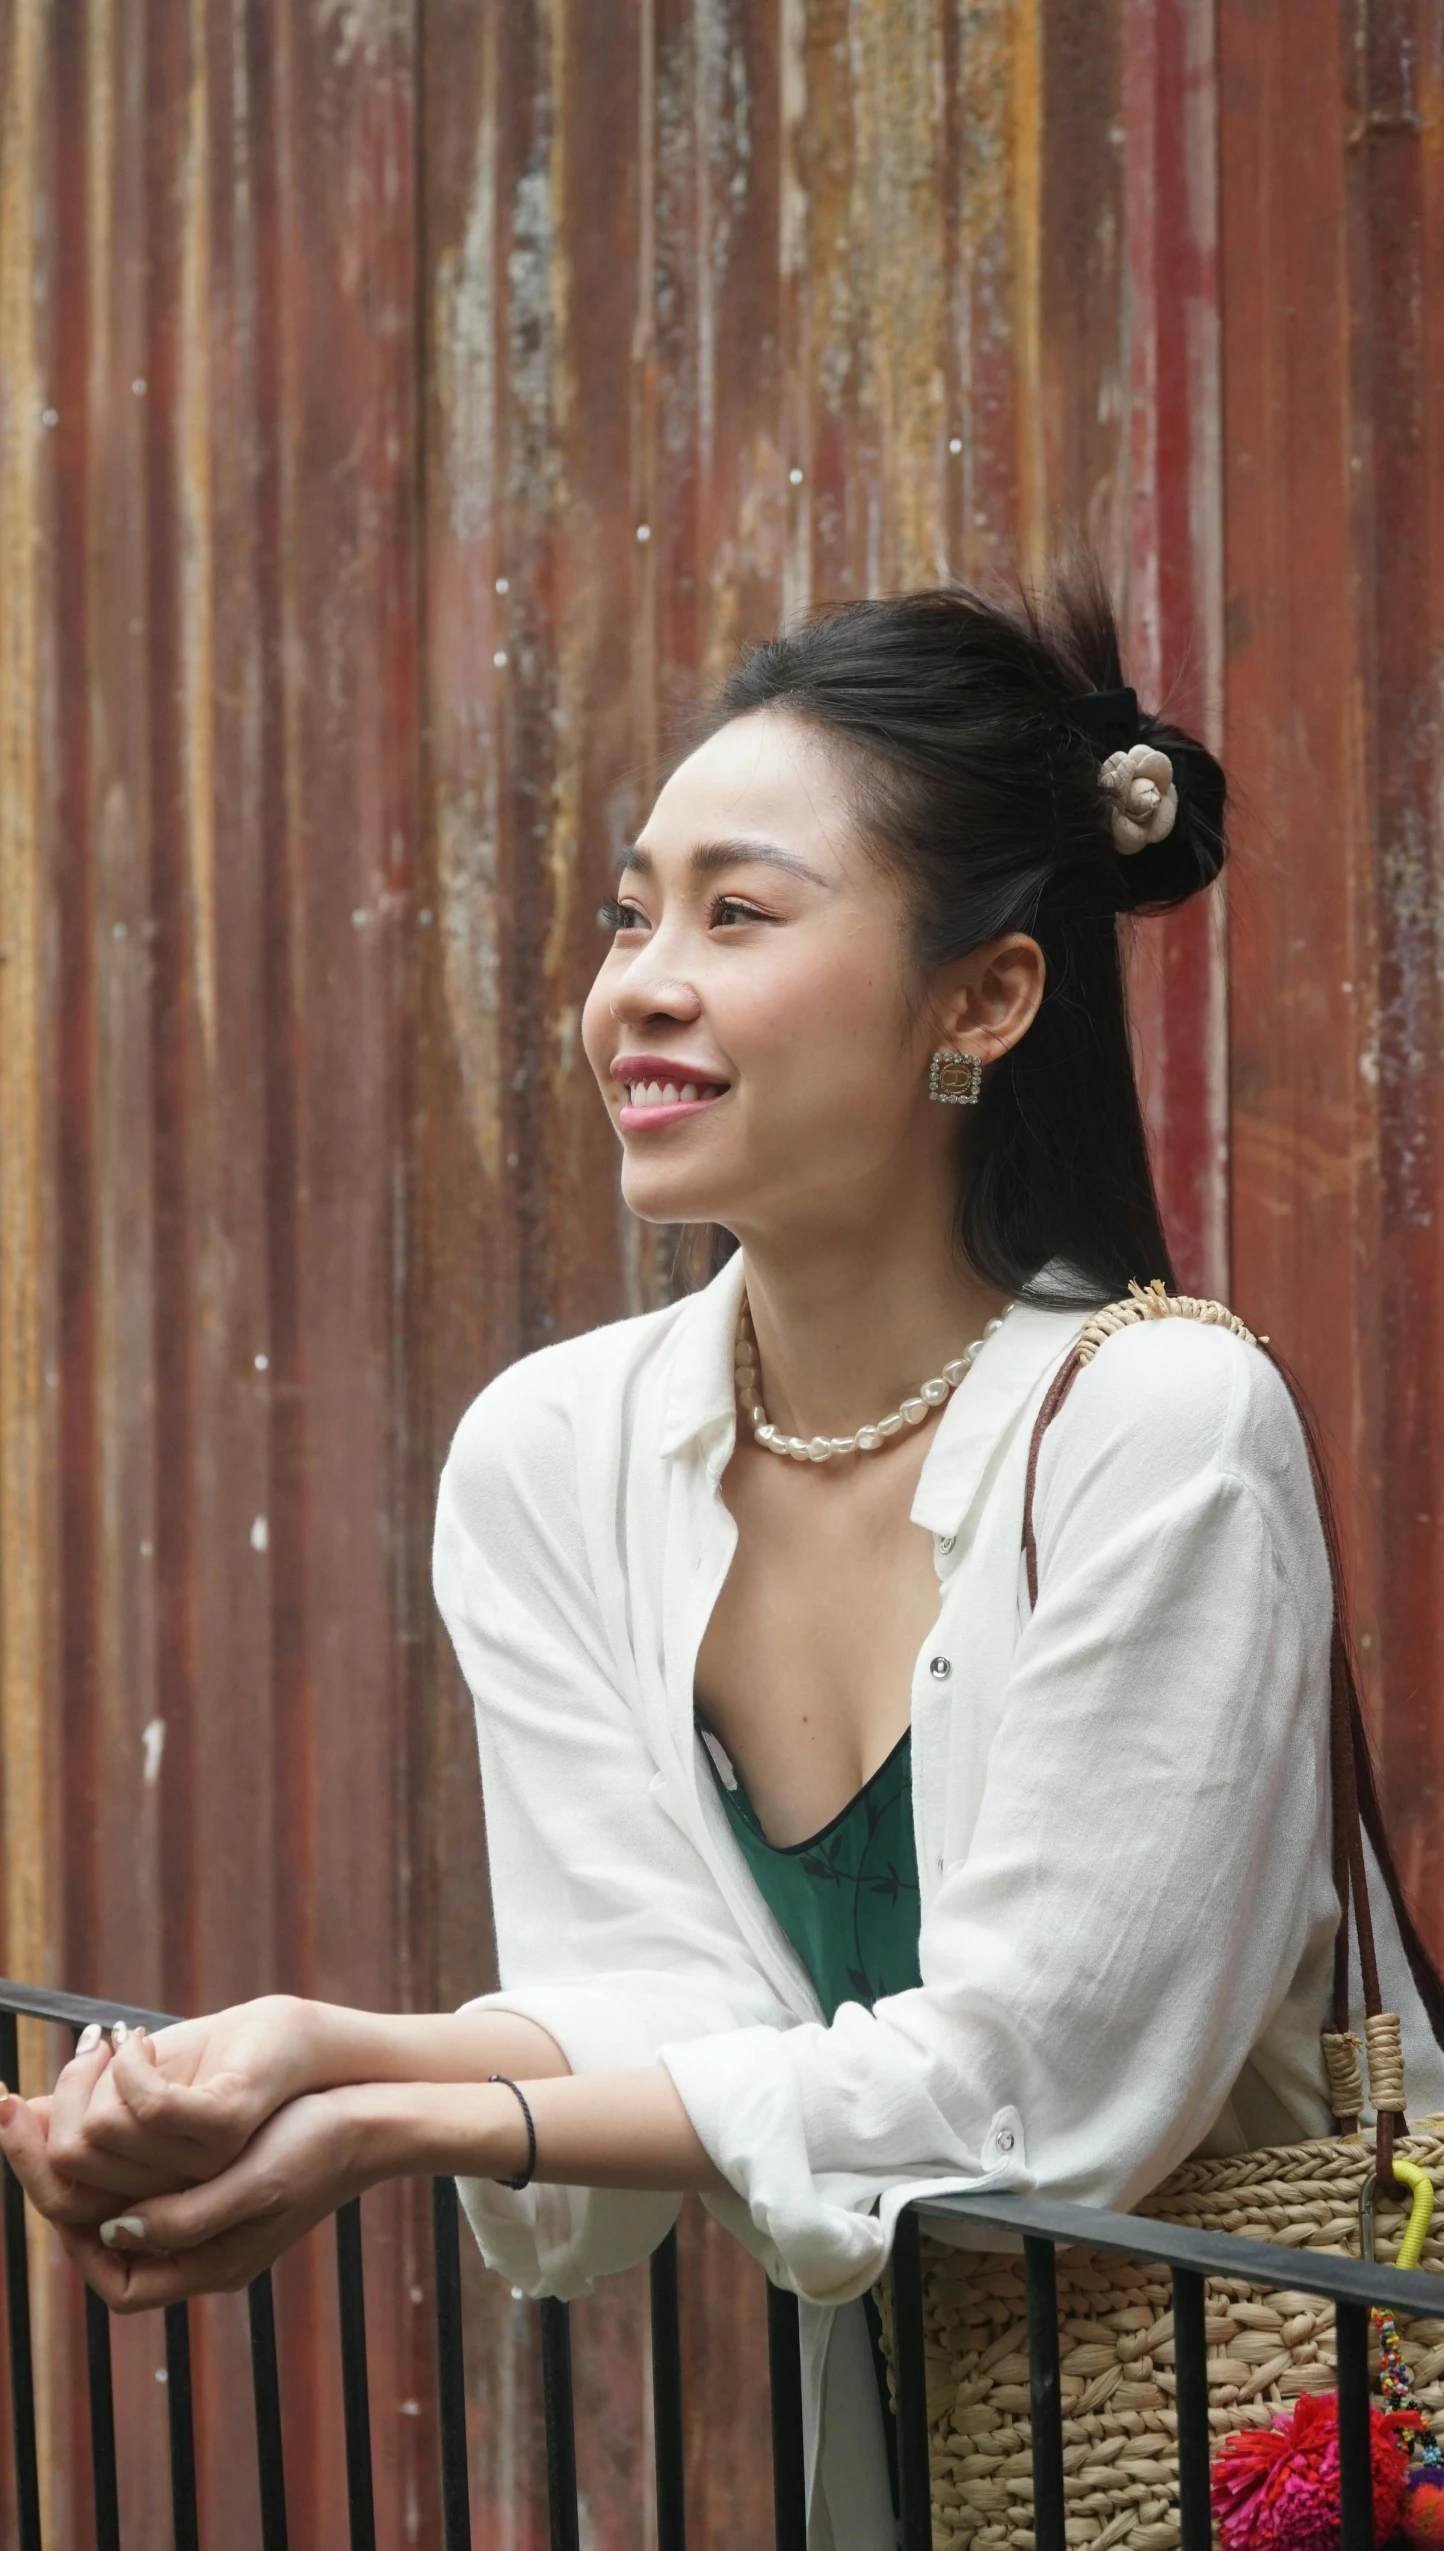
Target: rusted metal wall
{"points": [[1333, 460], [404, 412]]}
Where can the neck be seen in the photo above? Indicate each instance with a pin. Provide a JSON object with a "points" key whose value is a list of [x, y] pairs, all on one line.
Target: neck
{"points": [[848, 1325]]}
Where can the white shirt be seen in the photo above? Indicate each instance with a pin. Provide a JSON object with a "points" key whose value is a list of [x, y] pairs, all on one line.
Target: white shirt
{"points": [[1121, 1807]]}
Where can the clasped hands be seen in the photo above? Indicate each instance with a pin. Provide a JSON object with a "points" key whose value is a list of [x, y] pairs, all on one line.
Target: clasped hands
{"points": [[185, 2162]]}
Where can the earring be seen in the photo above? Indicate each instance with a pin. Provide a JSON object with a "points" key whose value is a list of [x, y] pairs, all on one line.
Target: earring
{"points": [[955, 1079]]}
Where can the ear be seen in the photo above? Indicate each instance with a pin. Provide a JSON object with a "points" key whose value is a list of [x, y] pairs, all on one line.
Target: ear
{"points": [[992, 996]]}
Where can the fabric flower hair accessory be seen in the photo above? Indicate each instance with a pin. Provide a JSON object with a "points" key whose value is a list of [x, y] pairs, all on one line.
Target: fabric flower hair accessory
{"points": [[1143, 797]]}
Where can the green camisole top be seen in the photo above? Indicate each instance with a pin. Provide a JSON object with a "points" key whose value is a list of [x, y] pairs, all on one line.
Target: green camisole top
{"points": [[847, 1897], [848, 1901]]}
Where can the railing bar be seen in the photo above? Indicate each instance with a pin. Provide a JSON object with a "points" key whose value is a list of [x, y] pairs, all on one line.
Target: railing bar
{"points": [[1190, 2364], [104, 2485], [561, 2434], [1045, 2394], [789, 2468], [75, 2010], [1212, 2253], [1356, 2479], [17, 2321], [180, 2409], [355, 2390], [450, 2367], [266, 2390], [910, 2376], [668, 2440]]}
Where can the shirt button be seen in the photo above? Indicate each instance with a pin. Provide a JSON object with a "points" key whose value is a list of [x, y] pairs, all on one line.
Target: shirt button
{"points": [[946, 1541], [939, 1668], [1004, 2139]]}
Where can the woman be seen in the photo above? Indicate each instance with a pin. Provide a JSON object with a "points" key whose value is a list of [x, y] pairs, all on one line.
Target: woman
{"points": [[826, 1871]]}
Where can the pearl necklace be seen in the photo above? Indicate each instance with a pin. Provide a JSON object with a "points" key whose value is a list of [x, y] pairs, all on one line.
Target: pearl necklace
{"points": [[868, 1439]]}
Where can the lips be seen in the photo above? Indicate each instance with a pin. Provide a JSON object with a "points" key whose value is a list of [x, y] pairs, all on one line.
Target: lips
{"points": [[661, 1092]]}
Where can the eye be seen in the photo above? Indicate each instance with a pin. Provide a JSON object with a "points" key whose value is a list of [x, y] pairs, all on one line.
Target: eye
{"points": [[728, 910], [617, 913]]}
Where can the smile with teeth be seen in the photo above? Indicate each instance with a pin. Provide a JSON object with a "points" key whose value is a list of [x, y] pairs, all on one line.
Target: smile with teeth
{"points": [[671, 1093]]}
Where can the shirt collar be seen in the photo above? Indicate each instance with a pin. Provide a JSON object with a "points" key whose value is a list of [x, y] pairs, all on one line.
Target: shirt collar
{"points": [[1031, 1341], [702, 1388], [1030, 1344]]}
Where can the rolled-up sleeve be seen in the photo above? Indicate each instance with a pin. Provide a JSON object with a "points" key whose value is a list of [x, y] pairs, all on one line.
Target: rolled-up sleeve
{"points": [[611, 1932]]}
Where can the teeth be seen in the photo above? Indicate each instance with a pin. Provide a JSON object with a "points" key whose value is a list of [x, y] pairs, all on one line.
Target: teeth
{"points": [[668, 1094]]}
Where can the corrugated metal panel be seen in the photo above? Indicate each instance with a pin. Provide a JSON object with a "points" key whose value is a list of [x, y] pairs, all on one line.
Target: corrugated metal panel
{"points": [[1334, 482], [402, 418]]}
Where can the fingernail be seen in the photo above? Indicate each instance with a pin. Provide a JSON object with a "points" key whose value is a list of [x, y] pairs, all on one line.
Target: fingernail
{"points": [[89, 2038], [118, 2035], [130, 2227]]}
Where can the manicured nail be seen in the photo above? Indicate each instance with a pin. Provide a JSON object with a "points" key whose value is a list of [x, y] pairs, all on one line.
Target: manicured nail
{"points": [[118, 2035], [88, 2040], [129, 2227]]}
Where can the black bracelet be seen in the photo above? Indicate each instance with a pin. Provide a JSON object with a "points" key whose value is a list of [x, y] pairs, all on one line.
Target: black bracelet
{"points": [[524, 2179]]}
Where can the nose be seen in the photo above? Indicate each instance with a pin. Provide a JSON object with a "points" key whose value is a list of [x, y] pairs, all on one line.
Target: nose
{"points": [[650, 991]]}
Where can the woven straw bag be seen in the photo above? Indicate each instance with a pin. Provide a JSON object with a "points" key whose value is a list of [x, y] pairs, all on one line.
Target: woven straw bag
{"points": [[1120, 2455]]}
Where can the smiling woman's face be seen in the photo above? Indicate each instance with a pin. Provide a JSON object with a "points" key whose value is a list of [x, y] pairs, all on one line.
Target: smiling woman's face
{"points": [[756, 1028]]}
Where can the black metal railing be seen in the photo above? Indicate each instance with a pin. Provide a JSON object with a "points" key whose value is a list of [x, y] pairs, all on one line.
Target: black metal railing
{"points": [[1042, 2225]]}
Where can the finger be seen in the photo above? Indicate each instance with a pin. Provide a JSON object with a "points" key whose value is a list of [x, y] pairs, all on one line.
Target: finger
{"points": [[23, 2143], [105, 2146], [146, 2283], [76, 2083], [217, 2114], [192, 2216]]}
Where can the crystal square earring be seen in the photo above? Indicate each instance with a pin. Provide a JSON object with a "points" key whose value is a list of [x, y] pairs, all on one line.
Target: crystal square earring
{"points": [[955, 1079]]}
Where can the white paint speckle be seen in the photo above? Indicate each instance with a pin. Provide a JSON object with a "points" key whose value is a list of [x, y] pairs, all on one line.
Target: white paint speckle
{"points": [[260, 1534], [152, 1746], [409, 2408], [263, 1363], [49, 416], [161, 2375], [417, 2293], [499, 658], [503, 584], [359, 920], [138, 389], [644, 531], [424, 918], [795, 477], [118, 930], [147, 1550], [955, 442]]}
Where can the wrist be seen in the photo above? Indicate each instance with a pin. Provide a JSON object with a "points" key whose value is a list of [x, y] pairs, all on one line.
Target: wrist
{"points": [[395, 2130]]}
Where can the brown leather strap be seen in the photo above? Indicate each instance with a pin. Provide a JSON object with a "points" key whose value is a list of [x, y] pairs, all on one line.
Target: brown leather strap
{"points": [[1356, 1808]]}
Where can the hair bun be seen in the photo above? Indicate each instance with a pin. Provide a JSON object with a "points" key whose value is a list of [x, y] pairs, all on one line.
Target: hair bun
{"points": [[1181, 857]]}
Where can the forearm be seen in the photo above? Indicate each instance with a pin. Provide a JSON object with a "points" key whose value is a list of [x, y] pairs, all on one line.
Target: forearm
{"points": [[593, 2130], [343, 2046]]}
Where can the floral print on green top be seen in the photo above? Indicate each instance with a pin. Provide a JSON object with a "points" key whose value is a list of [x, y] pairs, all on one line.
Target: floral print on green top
{"points": [[847, 1897]]}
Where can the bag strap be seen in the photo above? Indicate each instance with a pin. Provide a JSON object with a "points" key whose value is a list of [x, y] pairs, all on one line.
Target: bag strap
{"points": [[1356, 1808]]}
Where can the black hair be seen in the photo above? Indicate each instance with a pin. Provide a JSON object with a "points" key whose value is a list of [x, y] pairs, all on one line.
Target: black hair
{"points": [[977, 780]]}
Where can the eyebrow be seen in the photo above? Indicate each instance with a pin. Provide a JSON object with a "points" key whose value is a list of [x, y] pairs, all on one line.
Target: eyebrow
{"points": [[710, 856]]}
